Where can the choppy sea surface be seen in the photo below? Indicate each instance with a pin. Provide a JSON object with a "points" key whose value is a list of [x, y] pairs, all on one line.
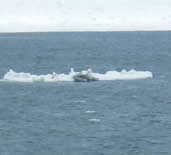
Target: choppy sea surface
{"points": [[127, 112]]}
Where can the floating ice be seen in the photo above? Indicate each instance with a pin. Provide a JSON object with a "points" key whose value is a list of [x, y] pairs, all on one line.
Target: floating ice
{"points": [[27, 77], [90, 111], [94, 120], [110, 75], [123, 75]]}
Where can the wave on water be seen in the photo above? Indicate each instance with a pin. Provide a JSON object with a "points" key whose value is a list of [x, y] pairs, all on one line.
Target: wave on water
{"points": [[54, 77]]}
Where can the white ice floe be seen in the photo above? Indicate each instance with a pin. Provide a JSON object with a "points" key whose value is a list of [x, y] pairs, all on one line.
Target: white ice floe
{"points": [[90, 111], [94, 120], [110, 75]]}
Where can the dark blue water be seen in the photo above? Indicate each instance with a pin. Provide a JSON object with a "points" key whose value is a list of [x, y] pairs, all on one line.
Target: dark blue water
{"points": [[129, 118]]}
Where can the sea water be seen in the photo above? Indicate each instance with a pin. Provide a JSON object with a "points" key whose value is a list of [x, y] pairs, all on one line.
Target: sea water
{"points": [[126, 112]]}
